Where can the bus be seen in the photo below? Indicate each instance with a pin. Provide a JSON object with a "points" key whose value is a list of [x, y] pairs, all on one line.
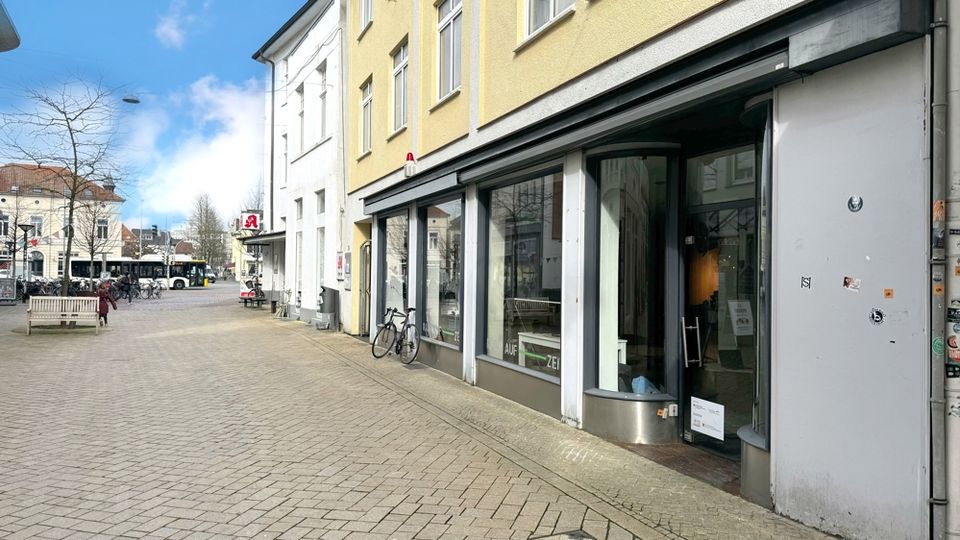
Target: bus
{"points": [[184, 271]]}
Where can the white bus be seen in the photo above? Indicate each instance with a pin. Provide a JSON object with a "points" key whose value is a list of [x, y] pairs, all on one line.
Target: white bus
{"points": [[183, 271]]}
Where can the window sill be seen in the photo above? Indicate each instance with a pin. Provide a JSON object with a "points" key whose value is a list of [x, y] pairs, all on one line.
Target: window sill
{"points": [[311, 149], [443, 344], [396, 133], [364, 29], [547, 26], [519, 369], [443, 101], [628, 396], [364, 155]]}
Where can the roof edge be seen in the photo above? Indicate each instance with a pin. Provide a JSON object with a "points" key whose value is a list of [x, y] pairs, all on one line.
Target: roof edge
{"points": [[283, 29]]}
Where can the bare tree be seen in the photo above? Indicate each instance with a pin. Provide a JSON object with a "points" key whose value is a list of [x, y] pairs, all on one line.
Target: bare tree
{"points": [[68, 131], [254, 200], [207, 231], [92, 229]]}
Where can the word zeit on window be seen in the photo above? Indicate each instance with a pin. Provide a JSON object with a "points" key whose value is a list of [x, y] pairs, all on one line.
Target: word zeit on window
{"points": [[551, 361]]}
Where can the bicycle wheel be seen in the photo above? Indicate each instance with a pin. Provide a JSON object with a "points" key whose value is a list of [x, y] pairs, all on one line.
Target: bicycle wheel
{"points": [[409, 344], [384, 339]]}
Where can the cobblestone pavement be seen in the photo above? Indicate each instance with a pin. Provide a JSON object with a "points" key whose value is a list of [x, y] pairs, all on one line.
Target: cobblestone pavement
{"points": [[192, 417]]}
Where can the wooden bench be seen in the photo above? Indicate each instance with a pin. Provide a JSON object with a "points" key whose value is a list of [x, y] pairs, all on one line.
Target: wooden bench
{"points": [[49, 309]]}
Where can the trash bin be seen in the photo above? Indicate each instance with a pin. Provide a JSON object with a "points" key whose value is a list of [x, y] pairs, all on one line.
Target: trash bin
{"points": [[327, 310]]}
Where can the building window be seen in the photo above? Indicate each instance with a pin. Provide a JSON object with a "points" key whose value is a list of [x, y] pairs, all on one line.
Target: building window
{"points": [[366, 106], [285, 162], [321, 201], [300, 125], [395, 259], [37, 223], [88, 193], [632, 247], [366, 13], [543, 11], [321, 239], [36, 190], [441, 296], [14, 189], [4, 226], [103, 229], [449, 28], [400, 88], [299, 206], [322, 70], [523, 273]]}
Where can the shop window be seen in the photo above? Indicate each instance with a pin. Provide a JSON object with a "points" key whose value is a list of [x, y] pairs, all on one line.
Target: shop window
{"points": [[441, 320], [632, 238], [728, 175], [524, 273], [395, 262]]}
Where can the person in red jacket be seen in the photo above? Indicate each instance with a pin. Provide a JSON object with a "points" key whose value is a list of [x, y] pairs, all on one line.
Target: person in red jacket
{"points": [[104, 293]]}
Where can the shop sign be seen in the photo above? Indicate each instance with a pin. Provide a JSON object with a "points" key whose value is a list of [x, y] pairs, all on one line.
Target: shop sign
{"points": [[8, 289], [249, 221], [742, 317], [347, 271], [340, 267], [706, 417]]}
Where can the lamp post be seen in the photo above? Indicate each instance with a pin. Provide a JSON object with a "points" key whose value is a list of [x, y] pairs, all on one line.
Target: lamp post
{"points": [[26, 228]]}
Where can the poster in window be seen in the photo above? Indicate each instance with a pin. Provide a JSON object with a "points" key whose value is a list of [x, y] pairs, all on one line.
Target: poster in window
{"points": [[741, 316]]}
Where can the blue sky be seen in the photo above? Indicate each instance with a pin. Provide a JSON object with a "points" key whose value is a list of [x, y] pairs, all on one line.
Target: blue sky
{"points": [[199, 126]]}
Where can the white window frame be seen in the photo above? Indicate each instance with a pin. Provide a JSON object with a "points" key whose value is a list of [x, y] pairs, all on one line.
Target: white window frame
{"points": [[366, 14], [301, 104], [298, 203], [434, 240], [445, 88], [321, 201], [103, 229], [400, 63], [366, 117], [322, 70], [555, 12], [4, 226], [37, 222]]}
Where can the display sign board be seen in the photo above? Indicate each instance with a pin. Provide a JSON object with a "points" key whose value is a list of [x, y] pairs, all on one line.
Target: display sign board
{"points": [[741, 315], [340, 268], [706, 417], [8, 289], [347, 271], [249, 221]]}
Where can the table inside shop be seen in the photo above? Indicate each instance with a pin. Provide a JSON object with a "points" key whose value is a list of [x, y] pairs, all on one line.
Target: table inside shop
{"points": [[525, 339]]}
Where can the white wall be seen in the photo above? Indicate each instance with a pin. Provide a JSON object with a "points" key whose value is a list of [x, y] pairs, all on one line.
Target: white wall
{"points": [[313, 158], [850, 427]]}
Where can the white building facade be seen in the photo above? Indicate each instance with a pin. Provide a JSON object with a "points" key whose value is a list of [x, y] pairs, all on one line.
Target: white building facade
{"points": [[300, 234], [34, 196]]}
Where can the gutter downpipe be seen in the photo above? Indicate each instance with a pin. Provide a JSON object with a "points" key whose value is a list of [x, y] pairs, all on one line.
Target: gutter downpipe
{"points": [[273, 124], [950, 56], [938, 264]]}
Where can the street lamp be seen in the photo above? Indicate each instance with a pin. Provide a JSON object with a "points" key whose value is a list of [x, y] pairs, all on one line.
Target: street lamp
{"points": [[26, 228]]}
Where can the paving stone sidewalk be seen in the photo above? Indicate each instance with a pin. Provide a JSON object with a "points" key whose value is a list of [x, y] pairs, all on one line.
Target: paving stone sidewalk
{"points": [[192, 417]]}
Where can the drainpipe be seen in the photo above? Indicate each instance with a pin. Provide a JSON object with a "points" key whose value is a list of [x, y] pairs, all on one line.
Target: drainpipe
{"points": [[950, 56], [938, 263], [273, 124]]}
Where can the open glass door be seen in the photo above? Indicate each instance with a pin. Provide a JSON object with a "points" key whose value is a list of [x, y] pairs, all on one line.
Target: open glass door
{"points": [[719, 315]]}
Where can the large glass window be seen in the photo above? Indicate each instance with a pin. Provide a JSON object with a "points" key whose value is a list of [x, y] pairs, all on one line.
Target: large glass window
{"points": [[441, 319], [395, 263], [449, 28], [524, 273], [633, 202], [724, 176]]}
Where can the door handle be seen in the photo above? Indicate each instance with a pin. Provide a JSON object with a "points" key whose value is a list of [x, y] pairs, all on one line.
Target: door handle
{"points": [[687, 330]]}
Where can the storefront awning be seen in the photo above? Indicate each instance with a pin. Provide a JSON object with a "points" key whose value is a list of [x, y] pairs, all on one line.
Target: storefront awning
{"points": [[264, 239]]}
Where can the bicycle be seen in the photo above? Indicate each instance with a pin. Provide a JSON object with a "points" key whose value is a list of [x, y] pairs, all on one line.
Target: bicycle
{"points": [[405, 341]]}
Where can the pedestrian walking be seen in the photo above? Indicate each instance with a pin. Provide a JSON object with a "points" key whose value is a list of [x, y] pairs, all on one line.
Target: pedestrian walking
{"points": [[105, 302], [126, 287]]}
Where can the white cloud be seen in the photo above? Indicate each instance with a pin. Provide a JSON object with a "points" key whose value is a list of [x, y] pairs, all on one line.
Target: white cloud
{"points": [[221, 153], [171, 28]]}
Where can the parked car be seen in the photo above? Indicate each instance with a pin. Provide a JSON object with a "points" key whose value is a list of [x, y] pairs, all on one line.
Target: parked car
{"points": [[211, 277]]}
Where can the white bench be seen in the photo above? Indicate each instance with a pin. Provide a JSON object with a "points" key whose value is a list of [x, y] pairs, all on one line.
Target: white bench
{"points": [[48, 309]]}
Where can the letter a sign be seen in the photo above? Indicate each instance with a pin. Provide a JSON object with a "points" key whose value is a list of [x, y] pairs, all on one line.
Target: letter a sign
{"points": [[250, 222]]}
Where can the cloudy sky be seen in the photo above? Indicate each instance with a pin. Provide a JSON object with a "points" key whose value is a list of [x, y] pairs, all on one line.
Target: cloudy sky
{"points": [[199, 126]]}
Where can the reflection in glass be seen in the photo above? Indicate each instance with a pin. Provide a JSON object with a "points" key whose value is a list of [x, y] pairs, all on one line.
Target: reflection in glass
{"points": [[523, 273], [724, 176], [395, 275], [441, 319], [632, 248]]}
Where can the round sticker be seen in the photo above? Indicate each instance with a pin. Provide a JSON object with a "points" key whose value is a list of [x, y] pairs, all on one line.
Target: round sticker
{"points": [[876, 316]]}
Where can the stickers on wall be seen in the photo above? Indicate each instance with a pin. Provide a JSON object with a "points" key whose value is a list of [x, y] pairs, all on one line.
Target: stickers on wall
{"points": [[851, 284], [706, 417], [806, 282], [888, 293], [877, 316]]}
